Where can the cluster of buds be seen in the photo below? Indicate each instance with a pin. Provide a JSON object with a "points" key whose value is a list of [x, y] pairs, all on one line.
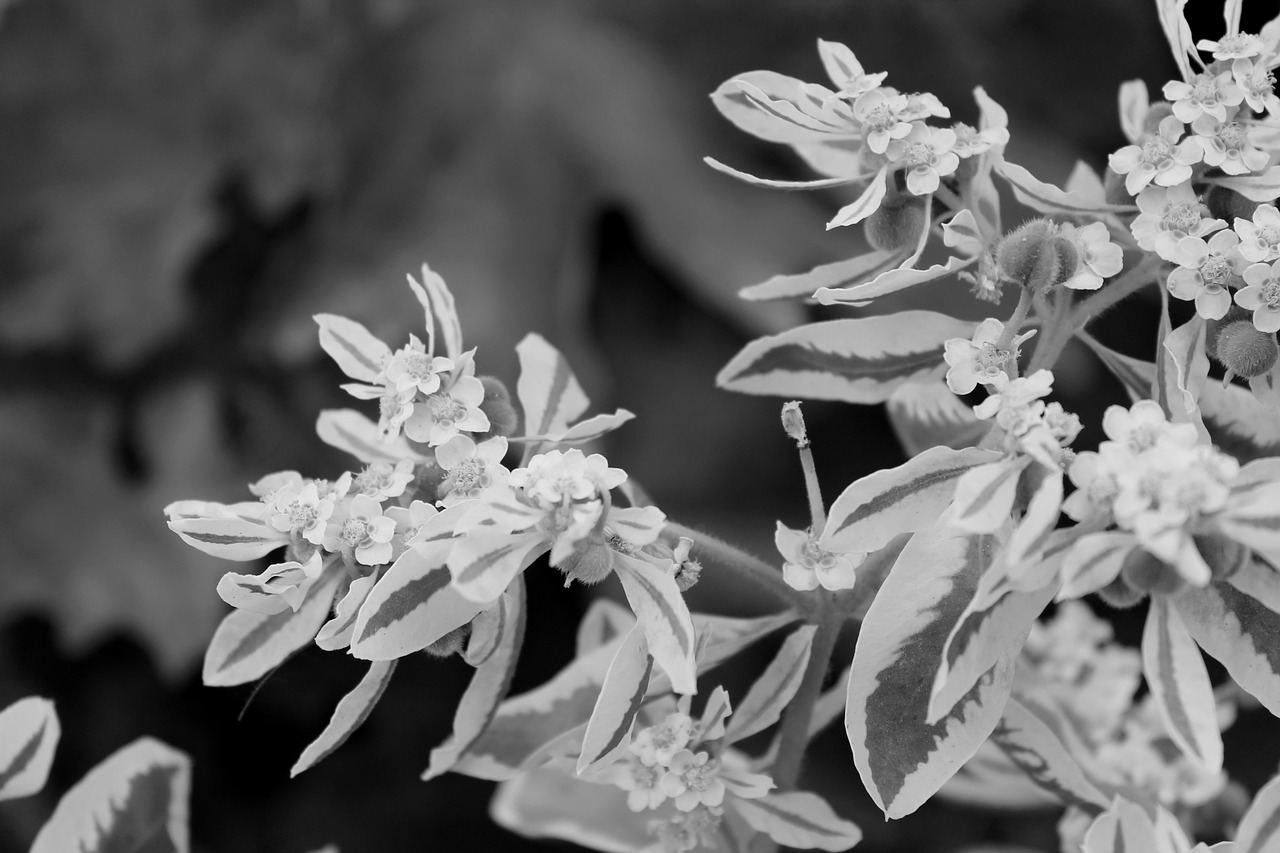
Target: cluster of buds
{"points": [[1042, 255]]}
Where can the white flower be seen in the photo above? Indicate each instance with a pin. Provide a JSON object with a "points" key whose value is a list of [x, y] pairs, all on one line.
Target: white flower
{"points": [[361, 530], [880, 113], [1262, 295], [1017, 405], [1227, 146], [1168, 215], [657, 745], [978, 361], [1099, 257], [302, 513], [808, 566], [1237, 46], [1205, 94], [693, 780], [1260, 238], [1159, 158], [1258, 84], [448, 412], [471, 468], [926, 155], [382, 480], [1205, 271], [412, 368]]}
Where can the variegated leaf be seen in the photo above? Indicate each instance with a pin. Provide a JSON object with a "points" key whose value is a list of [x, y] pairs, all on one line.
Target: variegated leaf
{"points": [[604, 621], [984, 495], [621, 695], [1137, 376], [856, 361], [1258, 580], [588, 429], [890, 281], [901, 758], [1126, 828], [1241, 633], [438, 305], [411, 606], [1033, 747], [1240, 424], [248, 645], [1253, 519], [360, 355], [663, 616], [229, 538], [1031, 535], [774, 689], [488, 687], [1187, 371], [925, 415], [1180, 685], [990, 780], [527, 728], [137, 799], [351, 432], [1264, 187], [353, 709], [1093, 562], [549, 392], [876, 508], [29, 733], [840, 274], [765, 104], [770, 183], [337, 632], [1259, 830], [865, 205], [798, 819], [1047, 198]]}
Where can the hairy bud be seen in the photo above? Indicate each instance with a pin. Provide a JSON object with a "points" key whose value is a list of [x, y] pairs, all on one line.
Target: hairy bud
{"points": [[497, 406], [1036, 257], [451, 643], [1244, 351], [896, 225], [1146, 572], [587, 565]]}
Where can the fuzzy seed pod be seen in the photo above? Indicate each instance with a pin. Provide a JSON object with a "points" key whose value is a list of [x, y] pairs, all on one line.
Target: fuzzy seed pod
{"points": [[588, 565], [1243, 350], [1228, 205], [1036, 257], [497, 406], [451, 643], [896, 225], [1146, 572]]}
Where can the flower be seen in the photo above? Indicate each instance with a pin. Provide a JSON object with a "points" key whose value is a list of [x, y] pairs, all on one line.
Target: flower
{"points": [[879, 111], [1227, 146], [1262, 295], [1168, 215], [1017, 405], [658, 744], [1237, 46], [448, 412], [807, 565], [413, 368], [362, 531], [302, 513], [846, 72], [971, 142], [471, 468], [1099, 257], [410, 520], [692, 779], [1258, 84], [978, 361], [926, 155], [382, 480], [1204, 94], [1260, 237], [1159, 158], [1204, 272]]}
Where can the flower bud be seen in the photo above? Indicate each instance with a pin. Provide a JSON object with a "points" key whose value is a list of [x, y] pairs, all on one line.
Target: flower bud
{"points": [[451, 643], [1243, 350], [497, 406], [589, 564], [896, 225], [793, 423], [1145, 572], [1036, 257], [1227, 204], [1224, 556]]}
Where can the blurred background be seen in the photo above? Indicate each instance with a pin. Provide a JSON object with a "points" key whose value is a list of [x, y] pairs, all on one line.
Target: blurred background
{"points": [[183, 183]]}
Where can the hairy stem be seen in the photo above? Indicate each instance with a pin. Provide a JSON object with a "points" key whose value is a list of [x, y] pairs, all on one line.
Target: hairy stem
{"points": [[717, 552], [793, 737]]}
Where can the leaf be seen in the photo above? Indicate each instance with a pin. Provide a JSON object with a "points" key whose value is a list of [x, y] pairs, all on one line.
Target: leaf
{"points": [[753, 180], [1180, 685], [527, 728], [549, 392], [1253, 519], [337, 632], [890, 281], [1259, 830], [604, 621], [874, 509], [798, 819], [1033, 747], [857, 361], [589, 429], [840, 274], [360, 355], [410, 607], [1125, 827], [488, 686], [1259, 581], [248, 645], [991, 781], [750, 107], [925, 415], [1046, 198], [229, 538], [621, 695], [137, 799], [352, 432], [1262, 188], [353, 709], [866, 204], [787, 105], [984, 495], [774, 689], [29, 733], [1093, 562], [1241, 633], [1137, 376], [438, 305], [1134, 103], [663, 616], [1187, 371], [1239, 423], [902, 759]]}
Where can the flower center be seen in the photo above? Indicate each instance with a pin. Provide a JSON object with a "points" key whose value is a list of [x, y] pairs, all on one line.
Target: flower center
{"points": [[881, 118], [1269, 234], [1144, 437], [918, 154], [1261, 82], [418, 365], [355, 531], [373, 479], [301, 515], [466, 476], [992, 360], [1271, 294], [1156, 150], [1103, 490], [1215, 270], [445, 410], [815, 557], [1204, 89], [1232, 135], [699, 776], [1184, 217]]}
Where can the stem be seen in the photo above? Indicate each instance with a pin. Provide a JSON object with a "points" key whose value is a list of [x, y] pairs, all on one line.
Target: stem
{"points": [[1014, 323], [947, 197], [1121, 288], [816, 510], [793, 737], [720, 553]]}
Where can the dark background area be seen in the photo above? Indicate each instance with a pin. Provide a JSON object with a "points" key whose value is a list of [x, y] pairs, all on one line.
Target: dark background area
{"points": [[185, 182]]}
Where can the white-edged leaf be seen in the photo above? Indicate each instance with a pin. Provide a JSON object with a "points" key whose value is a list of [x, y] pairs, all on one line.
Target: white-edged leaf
{"points": [[1033, 747], [984, 495], [770, 183], [859, 360], [1253, 519], [1187, 371], [1259, 830], [902, 759], [248, 645], [360, 355], [488, 687], [1046, 198], [1031, 535], [621, 695], [1264, 188], [761, 120], [1241, 633], [588, 429], [1124, 828], [353, 709], [840, 274], [410, 607], [1180, 685], [337, 632], [1240, 424], [874, 509], [925, 415], [1259, 581], [604, 621], [663, 616], [438, 306], [352, 432], [229, 538], [866, 204], [798, 819], [1134, 103], [987, 632], [527, 727], [991, 781], [1093, 562], [137, 799], [773, 690], [1137, 376], [890, 281], [29, 733], [549, 392]]}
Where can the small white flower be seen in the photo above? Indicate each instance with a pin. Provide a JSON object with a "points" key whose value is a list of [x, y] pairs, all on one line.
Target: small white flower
{"points": [[470, 468], [808, 566], [1262, 295], [1099, 257], [978, 361], [880, 113], [1167, 215], [926, 156], [1163, 158], [1017, 406], [1205, 94], [1205, 271], [1260, 236]]}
